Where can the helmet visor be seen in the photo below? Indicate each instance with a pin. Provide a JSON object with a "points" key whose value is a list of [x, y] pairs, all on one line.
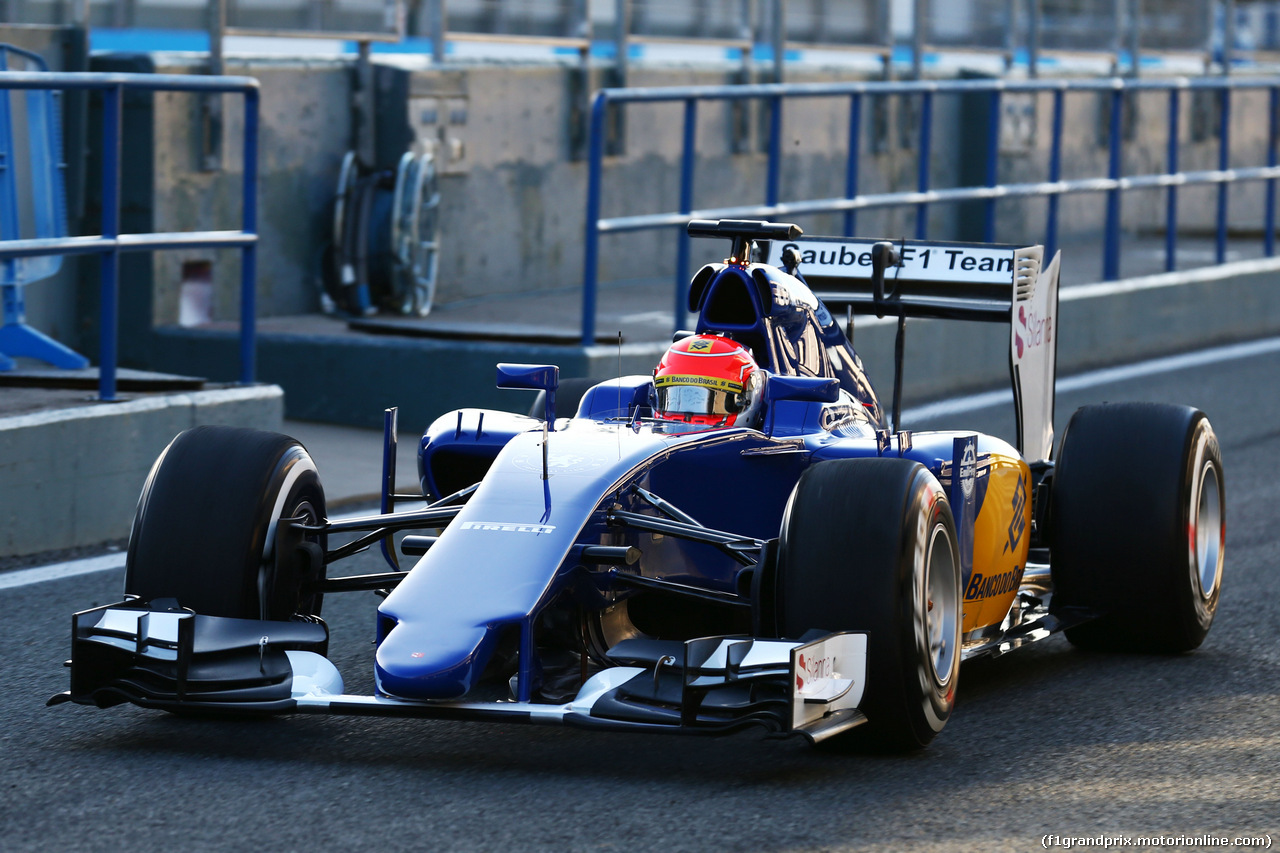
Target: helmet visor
{"points": [[697, 400]]}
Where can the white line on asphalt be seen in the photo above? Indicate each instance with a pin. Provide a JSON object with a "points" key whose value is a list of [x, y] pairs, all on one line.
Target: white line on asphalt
{"points": [[56, 571], [85, 566], [954, 406], [1094, 378]]}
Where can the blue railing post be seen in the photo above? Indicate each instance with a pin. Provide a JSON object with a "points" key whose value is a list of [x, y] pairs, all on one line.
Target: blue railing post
{"points": [[992, 168], [249, 252], [591, 241], [922, 178], [11, 292], [686, 206], [1273, 129], [110, 243], [1055, 175], [855, 198], [112, 106], [1111, 244], [1224, 163], [852, 163], [1171, 197], [774, 170]]}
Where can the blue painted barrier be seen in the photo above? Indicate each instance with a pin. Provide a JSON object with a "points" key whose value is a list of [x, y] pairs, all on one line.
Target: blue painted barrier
{"points": [[1114, 185], [110, 243], [32, 204]]}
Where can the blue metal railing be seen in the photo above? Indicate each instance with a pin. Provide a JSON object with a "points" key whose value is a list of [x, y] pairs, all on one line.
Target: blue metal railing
{"points": [[1113, 185], [110, 243]]}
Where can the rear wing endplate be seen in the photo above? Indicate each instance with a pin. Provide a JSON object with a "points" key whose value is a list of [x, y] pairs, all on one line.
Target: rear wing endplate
{"points": [[988, 282]]}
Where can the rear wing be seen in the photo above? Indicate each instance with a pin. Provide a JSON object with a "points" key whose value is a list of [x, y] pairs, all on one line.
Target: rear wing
{"points": [[987, 282]]}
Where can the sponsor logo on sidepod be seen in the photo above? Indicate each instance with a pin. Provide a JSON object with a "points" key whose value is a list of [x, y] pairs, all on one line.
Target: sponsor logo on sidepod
{"points": [[986, 586]]}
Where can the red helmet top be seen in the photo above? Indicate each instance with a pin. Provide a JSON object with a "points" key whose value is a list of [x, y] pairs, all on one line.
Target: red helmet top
{"points": [[708, 381]]}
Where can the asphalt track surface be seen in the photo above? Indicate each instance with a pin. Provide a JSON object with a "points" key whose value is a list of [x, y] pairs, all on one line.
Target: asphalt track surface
{"points": [[1044, 741]]}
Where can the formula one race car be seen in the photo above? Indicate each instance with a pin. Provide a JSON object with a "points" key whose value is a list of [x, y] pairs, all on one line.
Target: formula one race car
{"points": [[739, 539]]}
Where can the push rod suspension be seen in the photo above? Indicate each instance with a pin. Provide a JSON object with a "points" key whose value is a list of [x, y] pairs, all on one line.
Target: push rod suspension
{"points": [[744, 549], [429, 517], [355, 583], [681, 589]]}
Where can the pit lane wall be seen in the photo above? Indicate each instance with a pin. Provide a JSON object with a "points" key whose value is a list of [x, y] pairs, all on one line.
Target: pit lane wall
{"points": [[1099, 325], [71, 476]]}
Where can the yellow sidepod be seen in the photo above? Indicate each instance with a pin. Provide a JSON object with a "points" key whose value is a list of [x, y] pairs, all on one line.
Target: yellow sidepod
{"points": [[1001, 535]]}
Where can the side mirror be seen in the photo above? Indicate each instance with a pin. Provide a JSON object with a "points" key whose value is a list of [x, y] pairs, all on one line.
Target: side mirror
{"points": [[533, 377], [806, 389]]}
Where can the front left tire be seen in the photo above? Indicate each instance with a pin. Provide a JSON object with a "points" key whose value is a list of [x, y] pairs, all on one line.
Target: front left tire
{"points": [[205, 528]]}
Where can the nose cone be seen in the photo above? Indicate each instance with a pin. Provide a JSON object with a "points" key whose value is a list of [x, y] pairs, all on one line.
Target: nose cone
{"points": [[415, 662]]}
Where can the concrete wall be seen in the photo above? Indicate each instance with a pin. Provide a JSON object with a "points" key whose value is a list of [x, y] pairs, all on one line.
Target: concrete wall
{"points": [[1145, 151], [305, 120], [1098, 325], [72, 476], [513, 198]]}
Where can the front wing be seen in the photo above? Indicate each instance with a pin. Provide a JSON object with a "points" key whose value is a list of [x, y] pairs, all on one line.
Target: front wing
{"points": [[174, 659]]}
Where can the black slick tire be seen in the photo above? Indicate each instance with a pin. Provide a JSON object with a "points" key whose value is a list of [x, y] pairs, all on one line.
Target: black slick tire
{"points": [[1138, 527], [870, 545], [205, 528]]}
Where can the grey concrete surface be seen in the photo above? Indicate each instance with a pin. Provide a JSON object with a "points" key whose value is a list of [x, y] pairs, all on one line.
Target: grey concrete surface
{"points": [[71, 467], [70, 474]]}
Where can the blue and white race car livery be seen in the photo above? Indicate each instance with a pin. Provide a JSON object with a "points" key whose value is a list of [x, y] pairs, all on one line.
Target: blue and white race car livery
{"points": [[743, 538]]}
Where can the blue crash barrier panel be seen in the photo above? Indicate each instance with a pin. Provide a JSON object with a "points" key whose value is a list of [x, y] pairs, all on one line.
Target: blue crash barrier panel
{"points": [[32, 205], [110, 243]]}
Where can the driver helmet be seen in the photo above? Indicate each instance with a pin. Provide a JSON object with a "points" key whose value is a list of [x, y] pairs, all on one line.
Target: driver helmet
{"points": [[709, 381]]}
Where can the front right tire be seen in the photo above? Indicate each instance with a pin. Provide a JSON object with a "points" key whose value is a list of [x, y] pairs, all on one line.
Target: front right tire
{"points": [[870, 545]]}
